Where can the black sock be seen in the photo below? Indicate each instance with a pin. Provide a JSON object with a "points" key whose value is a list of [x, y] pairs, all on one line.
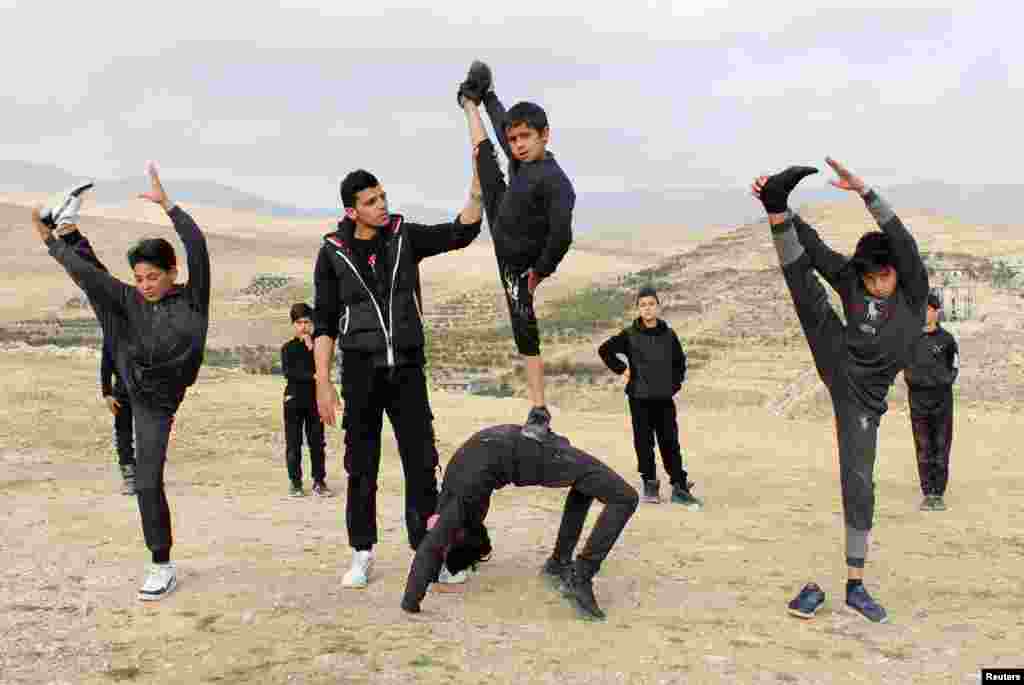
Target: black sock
{"points": [[161, 556], [853, 583]]}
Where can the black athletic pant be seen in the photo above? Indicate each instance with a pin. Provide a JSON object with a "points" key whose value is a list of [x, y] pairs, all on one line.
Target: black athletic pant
{"points": [[402, 393], [152, 433], [933, 438], [295, 420], [513, 273], [856, 427], [124, 432], [588, 479], [657, 418]]}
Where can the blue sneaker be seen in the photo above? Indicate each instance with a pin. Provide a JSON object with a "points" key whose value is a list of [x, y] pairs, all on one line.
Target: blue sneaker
{"points": [[860, 601], [807, 603]]}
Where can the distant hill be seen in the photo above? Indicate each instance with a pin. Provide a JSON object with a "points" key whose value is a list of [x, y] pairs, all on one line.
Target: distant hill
{"points": [[615, 213]]}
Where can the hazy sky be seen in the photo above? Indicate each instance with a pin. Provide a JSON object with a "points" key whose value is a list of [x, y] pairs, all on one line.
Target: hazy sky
{"points": [[284, 98]]}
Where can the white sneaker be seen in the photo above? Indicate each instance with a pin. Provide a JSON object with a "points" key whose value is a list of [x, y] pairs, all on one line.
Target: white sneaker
{"points": [[161, 579], [359, 574], [448, 578]]}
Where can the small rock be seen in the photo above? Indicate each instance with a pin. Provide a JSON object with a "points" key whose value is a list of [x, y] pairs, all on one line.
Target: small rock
{"points": [[328, 662], [248, 616]]}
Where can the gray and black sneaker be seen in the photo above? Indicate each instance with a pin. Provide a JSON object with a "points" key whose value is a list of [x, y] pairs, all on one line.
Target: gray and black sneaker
{"points": [[938, 503], [580, 593], [320, 489], [128, 479], [295, 490], [557, 574], [859, 601], [926, 503], [651, 495], [538, 424], [807, 603], [681, 494]]}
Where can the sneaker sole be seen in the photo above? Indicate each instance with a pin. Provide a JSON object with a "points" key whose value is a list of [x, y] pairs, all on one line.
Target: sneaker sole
{"points": [[361, 586], [651, 500], [802, 614], [147, 597], [850, 610]]}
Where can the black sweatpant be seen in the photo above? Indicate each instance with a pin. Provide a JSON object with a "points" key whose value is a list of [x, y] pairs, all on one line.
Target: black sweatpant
{"points": [[152, 433], [124, 432], [657, 418], [401, 392], [297, 419], [588, 479], [856, 427], [933, 438], [512, 273]]}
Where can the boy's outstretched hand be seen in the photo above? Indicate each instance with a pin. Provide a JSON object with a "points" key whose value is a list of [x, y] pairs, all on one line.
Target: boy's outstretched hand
{"points": [[157, 194], [37, 223], [847, 181]]}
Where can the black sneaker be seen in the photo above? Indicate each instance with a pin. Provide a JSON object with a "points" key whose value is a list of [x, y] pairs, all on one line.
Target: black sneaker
{"points": [[807, 603], [538, 424], [580, 592], [557, 575], [861, 602], [651, 495], [681, 494], [938, 504]]}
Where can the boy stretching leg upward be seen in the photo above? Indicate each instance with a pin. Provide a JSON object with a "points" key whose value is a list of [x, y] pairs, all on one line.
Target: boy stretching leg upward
{"points": [[530, 218], [883, 289]]}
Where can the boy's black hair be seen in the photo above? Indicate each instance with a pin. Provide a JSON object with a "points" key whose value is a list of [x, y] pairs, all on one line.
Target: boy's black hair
{"points": [[155, 251], [475, 546], [934, 301], [647, 291], [529, 114], [354, 183], [301, 310], [873, 253]]}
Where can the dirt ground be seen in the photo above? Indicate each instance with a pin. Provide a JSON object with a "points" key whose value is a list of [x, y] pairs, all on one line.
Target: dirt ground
{"points": [[691, 597]]}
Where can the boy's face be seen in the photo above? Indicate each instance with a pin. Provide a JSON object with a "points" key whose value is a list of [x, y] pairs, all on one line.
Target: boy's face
{"points": [[526, 143], [153, 282], [648, 307], [881, 283], [303, 327], [371, 208], [933, 316]]}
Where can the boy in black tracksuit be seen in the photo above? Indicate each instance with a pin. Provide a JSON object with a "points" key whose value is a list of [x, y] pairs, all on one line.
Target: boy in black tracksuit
{"points": [[933, 368], [115, 394], [498, 456], [157, 332], [530, 217], [300, 405], [368, 299], [655, 373], [883, 290]]}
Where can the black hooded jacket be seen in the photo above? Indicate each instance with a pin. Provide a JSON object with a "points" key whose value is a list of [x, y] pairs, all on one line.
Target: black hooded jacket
{"points": [[157, 347], [382, 319], [657, 362]]}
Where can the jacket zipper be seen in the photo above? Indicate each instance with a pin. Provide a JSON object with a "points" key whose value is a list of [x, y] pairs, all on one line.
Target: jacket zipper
{"points": [[391, 300], [380, 314]]}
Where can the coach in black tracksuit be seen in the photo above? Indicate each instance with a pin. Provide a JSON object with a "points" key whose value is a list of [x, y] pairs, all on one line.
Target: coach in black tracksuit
{"points": [[498, 456], [933, 369], [157, 332], [368, 300]]}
